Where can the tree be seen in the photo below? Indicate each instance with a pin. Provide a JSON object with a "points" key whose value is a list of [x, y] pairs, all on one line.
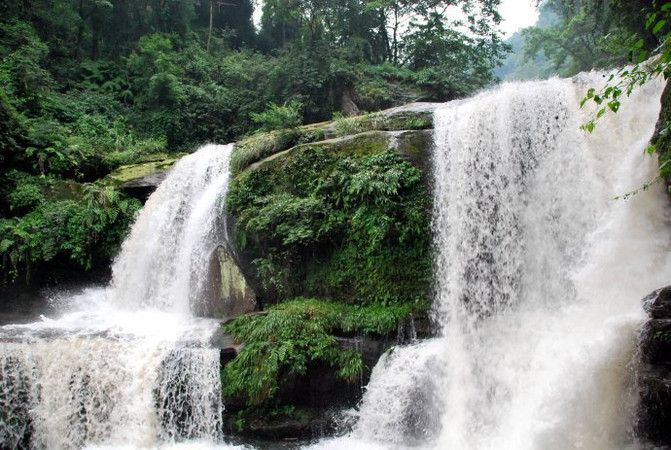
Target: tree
{"points": [[590, 33]]}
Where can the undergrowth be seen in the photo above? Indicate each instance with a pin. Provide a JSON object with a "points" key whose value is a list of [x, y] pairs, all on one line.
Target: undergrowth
{"points": [[284, 342]]}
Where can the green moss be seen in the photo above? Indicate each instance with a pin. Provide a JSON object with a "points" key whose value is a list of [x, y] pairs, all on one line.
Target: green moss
{"points": [[64, 190], [263, 145], [134, 171], [410, 120], [392, 120]]}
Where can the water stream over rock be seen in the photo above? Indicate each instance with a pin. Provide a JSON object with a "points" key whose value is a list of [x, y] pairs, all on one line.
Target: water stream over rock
{"points": [[128, 365], [540, 271], [539, 275]]}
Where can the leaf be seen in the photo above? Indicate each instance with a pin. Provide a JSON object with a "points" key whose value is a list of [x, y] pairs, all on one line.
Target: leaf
{"points": [[651, 19], [658, 26], [5, 245], [614, 105]]}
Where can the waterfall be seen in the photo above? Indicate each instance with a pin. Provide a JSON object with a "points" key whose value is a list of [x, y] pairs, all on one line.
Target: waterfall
{"points": [[163, 262], [540, 270], [129, 365]]}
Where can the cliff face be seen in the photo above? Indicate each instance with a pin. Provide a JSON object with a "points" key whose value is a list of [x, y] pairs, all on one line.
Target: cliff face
{"points": [[662, 138], [654, 370], [330, 223]]}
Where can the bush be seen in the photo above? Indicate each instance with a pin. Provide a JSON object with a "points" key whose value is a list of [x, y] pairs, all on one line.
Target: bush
{"points": [[336, 224], [284, 343], [86, 231], [277, 117]]}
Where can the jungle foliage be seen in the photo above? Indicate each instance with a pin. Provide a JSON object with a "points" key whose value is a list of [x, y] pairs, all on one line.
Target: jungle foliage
{"points": [[348, 223], [593, 34], [295, 335], [89, 85]]}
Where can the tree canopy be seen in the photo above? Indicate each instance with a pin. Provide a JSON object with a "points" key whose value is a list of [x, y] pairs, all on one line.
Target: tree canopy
{"points": [[89, 85]]}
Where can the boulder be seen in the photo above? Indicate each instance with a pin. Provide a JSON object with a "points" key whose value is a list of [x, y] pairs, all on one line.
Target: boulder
{"points": [[141, 179], [230, 295], [654, 371], [658, 303]]}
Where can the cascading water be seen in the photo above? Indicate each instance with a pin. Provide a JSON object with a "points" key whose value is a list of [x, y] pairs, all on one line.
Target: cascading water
{"points": [[540, 271], [539, 275], [163, 263], [129, 366]]}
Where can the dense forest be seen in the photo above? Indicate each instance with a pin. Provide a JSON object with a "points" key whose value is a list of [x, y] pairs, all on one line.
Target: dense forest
{"points": [[89, 85]]}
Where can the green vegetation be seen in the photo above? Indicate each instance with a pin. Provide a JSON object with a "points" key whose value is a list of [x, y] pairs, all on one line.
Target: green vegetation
{"points": [[588, 34], [53, 230], [294, 335], [346, 221], [342, 220], [89, 86]]}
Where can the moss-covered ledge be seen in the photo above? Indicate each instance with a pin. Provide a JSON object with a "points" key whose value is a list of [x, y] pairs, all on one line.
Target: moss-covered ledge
{"points": [[414, 116], [141, 178], [335, 234], [317, 355]]}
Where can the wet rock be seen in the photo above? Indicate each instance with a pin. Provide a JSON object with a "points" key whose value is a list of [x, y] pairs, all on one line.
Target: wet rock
{"points": [[141, 179], [299, 423], [658, 303], [230, 295], [654, 371], [656, 341]]}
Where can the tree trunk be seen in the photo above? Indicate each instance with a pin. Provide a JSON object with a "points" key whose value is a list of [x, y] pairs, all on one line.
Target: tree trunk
{"points": [[209, 30]]}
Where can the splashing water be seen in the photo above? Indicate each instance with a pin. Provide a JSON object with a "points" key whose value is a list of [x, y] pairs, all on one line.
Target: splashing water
{"points": [[129, 366], [540, 272], [163, 262]]}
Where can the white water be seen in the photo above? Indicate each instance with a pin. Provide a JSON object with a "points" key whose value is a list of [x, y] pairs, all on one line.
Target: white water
{"points": [[540, 272], [128, 366], [539, 278], [163, 263]]}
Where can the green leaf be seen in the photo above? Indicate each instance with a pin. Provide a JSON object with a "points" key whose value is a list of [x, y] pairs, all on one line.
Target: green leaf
{"points": [[658, 26], [651, 19], [614, 105]]}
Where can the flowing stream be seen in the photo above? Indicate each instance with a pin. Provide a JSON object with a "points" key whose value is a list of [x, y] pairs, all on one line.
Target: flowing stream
{"points": [[129, 365], [539, 275]]}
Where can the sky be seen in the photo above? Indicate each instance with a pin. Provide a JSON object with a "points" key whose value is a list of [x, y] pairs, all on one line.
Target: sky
{"points": [[517, 14]]}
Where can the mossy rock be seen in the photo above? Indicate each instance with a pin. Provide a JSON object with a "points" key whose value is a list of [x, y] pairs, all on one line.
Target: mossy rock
{"points": [[141, 179], [345, 218], [134, 172], [58, 189], [415, 116], [367, 143]]}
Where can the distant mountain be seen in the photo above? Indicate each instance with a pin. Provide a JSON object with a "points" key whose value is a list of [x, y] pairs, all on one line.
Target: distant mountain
{"points": [[515, 68]]}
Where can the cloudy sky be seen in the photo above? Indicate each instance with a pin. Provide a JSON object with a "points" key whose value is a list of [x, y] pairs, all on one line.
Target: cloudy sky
{"points": [[517, 14]]}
